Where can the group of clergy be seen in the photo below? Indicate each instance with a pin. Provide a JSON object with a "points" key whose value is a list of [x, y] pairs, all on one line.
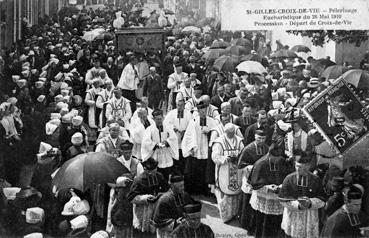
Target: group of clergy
{"points": [[259, 176], [259, 171]]}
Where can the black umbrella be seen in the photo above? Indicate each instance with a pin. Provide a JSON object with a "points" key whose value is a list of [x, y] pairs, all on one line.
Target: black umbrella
{"points": [[284, 54], [86, 170], [300, 48]]}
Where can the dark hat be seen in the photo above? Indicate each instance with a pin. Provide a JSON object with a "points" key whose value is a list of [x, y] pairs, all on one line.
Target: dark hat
{"points": [[197, 87], [176, 179], [338, 182], [354, 192], [302, 157], [276, 150], [194, 207], [126, 146], [261, 112], [260, 133], [95, 57], [293, 116], [157, 112], [201, 105], [27, 197], [178, 64], [150, 164], [314, 83]]}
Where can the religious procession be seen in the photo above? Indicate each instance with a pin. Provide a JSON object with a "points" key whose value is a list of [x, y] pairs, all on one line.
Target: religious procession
{"points": [[112, 129]]}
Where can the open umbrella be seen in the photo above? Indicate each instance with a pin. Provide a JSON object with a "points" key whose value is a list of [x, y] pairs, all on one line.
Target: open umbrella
{"points": [[213, 54], [251, 67], [91, 35], [358, 78], [326, 62], [191, 29], [219, 45], [224, 64], [168, 12], [84, 18], [205, 21], [284, 54], [236, 50], [300, 48], [107, 36], [243, 42], [251, 57], [86, 170], [334, 71]]}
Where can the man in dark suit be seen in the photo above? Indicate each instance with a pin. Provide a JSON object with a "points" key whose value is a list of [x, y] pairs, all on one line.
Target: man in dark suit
{"points": [[247, 118], [111, 69], [219, 98], [260, 124], [193, 67], [237, 103], [153, 88]]}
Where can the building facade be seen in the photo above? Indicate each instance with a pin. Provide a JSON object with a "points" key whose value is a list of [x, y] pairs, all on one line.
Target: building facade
{"points": [[13, 12]]}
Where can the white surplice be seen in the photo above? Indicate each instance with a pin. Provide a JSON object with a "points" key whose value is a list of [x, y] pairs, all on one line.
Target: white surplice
{"points": [[171, 119], [194, 138], [137, 130], [164, 156]]}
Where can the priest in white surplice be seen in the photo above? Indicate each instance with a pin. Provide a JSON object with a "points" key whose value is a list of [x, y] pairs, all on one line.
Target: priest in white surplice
{"points": [[118, 108], [226, 109], [186, 89], [179, 119], [195, 148], [137, 129], [160, 143], [175, 81], [211, 110], [195, 99], [103, 97], [228, 180]]}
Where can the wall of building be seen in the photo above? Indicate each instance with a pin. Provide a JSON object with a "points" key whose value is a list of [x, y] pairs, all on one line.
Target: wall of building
{"points": [[13, 11], [351, 53]]}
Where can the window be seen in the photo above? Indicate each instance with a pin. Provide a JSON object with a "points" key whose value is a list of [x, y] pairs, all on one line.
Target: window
{"points": [[2, 12]]}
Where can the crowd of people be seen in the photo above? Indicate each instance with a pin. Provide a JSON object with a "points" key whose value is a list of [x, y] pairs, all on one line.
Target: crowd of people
{"points": [[182, 128]]}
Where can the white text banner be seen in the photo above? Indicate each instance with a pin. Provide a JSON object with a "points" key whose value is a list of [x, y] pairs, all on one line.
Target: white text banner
{"points": [[295, 14]]}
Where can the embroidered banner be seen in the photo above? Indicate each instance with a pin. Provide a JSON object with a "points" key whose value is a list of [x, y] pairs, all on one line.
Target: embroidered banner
{"points": [[140, 39]]}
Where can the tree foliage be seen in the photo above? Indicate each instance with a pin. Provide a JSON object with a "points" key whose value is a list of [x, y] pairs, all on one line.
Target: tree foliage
{"points": [[320, 37]]}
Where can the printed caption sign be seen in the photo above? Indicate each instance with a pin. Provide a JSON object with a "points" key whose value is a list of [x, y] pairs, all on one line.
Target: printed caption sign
{"points": [[343, 121], [294, 14]]}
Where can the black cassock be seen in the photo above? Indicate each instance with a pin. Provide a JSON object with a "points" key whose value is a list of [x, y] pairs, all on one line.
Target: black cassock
{"points": [[170, 207], [343, 224], [264, 173], [148, 183], [249, 155], [185, 231]]}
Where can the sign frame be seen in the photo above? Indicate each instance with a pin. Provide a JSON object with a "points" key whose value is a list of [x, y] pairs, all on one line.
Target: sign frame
{"points": [[337, 135]]}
